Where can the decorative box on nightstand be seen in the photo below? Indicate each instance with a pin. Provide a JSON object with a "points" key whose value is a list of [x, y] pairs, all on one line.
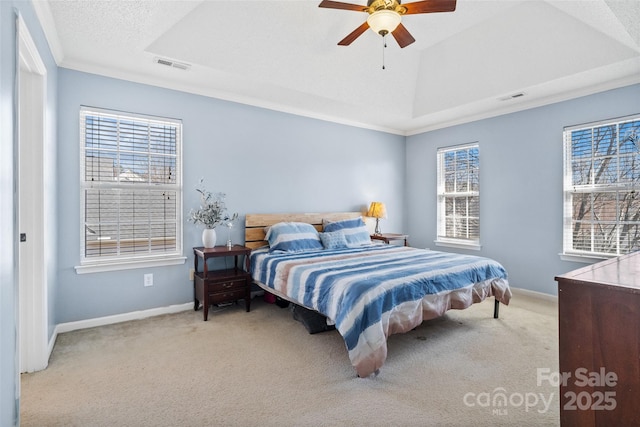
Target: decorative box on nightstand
{"points": [[221, 286], [389, 237]]}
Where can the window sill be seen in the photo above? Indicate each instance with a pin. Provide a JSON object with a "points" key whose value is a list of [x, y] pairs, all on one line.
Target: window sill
{"points": [[458, 245], [586, 259], [127, 265]]}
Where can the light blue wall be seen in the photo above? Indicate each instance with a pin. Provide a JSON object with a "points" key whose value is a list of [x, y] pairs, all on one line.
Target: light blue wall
{"points": [[521, 177], [9, 380], [265, 161]]}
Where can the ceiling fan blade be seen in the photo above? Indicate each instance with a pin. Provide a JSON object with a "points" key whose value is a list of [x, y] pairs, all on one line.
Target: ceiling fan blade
{"points": [[354, 34], [343, 6], [402, 36], [430, 6]]}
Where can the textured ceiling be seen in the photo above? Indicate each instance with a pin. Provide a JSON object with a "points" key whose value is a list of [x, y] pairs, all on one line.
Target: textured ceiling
{"points": [[283, 55]]}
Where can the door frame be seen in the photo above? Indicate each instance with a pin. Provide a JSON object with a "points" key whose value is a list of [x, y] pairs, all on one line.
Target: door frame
{"points": [[32, 307]]}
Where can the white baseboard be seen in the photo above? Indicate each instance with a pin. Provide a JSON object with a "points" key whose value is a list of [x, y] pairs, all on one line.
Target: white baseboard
{"points": [[535, 295], [117, 318], [52, 342], [143, 314]]}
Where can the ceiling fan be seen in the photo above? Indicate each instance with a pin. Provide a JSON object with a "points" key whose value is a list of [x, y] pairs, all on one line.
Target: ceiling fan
{"points": [[385, 16]]}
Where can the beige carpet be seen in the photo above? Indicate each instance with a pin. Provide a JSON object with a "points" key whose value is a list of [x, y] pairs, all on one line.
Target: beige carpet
{"points": [[263, 369]]}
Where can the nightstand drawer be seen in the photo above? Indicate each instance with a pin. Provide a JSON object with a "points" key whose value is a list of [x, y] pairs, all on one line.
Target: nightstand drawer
{"points": [[226, 286], [228, 296]]}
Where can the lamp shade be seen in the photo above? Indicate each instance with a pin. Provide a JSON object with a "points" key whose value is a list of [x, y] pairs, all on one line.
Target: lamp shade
{"points": [[377, 210], [384, 21]]}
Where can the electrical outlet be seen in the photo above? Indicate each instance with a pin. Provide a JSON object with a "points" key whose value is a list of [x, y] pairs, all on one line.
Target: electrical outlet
{"points": [[148, 279], [192, 272]]}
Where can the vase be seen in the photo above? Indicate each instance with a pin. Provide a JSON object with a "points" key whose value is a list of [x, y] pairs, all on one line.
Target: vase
{"points": [[209, 237]]}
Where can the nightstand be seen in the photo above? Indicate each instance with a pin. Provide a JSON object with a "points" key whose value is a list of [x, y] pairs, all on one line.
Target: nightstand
{"points": [[389, 237], [221, 286]]}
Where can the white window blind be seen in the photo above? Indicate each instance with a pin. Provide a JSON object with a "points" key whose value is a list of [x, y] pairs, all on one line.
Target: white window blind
{"points": [[601, 188], [131, 186], [459, 195]]}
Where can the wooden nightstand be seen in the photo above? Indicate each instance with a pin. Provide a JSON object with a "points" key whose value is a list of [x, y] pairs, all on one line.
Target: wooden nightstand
{"points": [[221, 286], [389, 237]]}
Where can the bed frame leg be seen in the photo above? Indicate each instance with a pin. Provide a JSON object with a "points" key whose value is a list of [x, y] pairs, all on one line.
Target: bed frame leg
{"points": [[496, 309]]}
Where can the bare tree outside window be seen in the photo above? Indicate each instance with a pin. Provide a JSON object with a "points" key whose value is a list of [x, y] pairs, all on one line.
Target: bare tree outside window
{"points": [[602, 188]]}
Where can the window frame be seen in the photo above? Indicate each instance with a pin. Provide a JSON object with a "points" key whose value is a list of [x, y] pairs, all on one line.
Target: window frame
{"points": [[442, 195], [123, 261], [569, 253]]}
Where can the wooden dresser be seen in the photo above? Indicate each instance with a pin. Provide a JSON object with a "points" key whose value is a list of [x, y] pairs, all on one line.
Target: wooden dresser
{"points": [[599, 331]]}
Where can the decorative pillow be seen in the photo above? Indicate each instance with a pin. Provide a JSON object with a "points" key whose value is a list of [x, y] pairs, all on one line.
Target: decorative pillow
{"points": [[333, 239], [355, 231], [293, 237]]}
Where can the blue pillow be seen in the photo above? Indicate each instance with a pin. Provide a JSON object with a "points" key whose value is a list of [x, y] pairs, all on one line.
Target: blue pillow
{"points": [[333, 240], [355, 231], [293, 237]]}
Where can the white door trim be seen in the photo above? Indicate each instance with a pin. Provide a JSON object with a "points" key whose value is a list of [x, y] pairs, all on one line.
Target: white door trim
{"points": [[33, 345]]}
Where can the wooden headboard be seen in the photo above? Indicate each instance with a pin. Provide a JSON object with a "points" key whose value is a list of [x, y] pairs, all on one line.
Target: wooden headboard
{"points": [[255, 223]]}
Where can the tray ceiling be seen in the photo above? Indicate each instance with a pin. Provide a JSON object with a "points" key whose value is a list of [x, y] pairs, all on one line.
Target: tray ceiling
{"points": [[465, 65]]}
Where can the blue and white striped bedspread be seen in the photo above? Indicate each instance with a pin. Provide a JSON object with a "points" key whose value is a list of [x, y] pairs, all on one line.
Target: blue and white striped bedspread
{"points": [[362, 289]]}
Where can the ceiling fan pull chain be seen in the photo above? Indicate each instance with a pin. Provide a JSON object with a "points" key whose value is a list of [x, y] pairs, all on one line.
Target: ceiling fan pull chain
{"points": [[384, 46]]}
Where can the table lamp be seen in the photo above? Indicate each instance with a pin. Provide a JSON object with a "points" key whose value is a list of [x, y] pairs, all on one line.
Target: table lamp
{"points": [[377, 210]]}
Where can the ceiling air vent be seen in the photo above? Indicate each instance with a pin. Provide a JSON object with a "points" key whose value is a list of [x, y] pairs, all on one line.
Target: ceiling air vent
{"points": [[510, 97], [171, 63]]}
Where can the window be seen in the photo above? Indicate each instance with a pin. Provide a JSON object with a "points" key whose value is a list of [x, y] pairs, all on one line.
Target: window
{"points": [[131, 190], [459, 196], [601, 186]]}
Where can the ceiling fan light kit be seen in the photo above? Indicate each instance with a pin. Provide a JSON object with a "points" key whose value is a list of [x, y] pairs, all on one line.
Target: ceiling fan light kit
{"points": [[384, 21], [385, 16]]}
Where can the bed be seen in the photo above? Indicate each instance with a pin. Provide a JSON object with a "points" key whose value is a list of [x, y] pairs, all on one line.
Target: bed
{"points": [[326, 262]]}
